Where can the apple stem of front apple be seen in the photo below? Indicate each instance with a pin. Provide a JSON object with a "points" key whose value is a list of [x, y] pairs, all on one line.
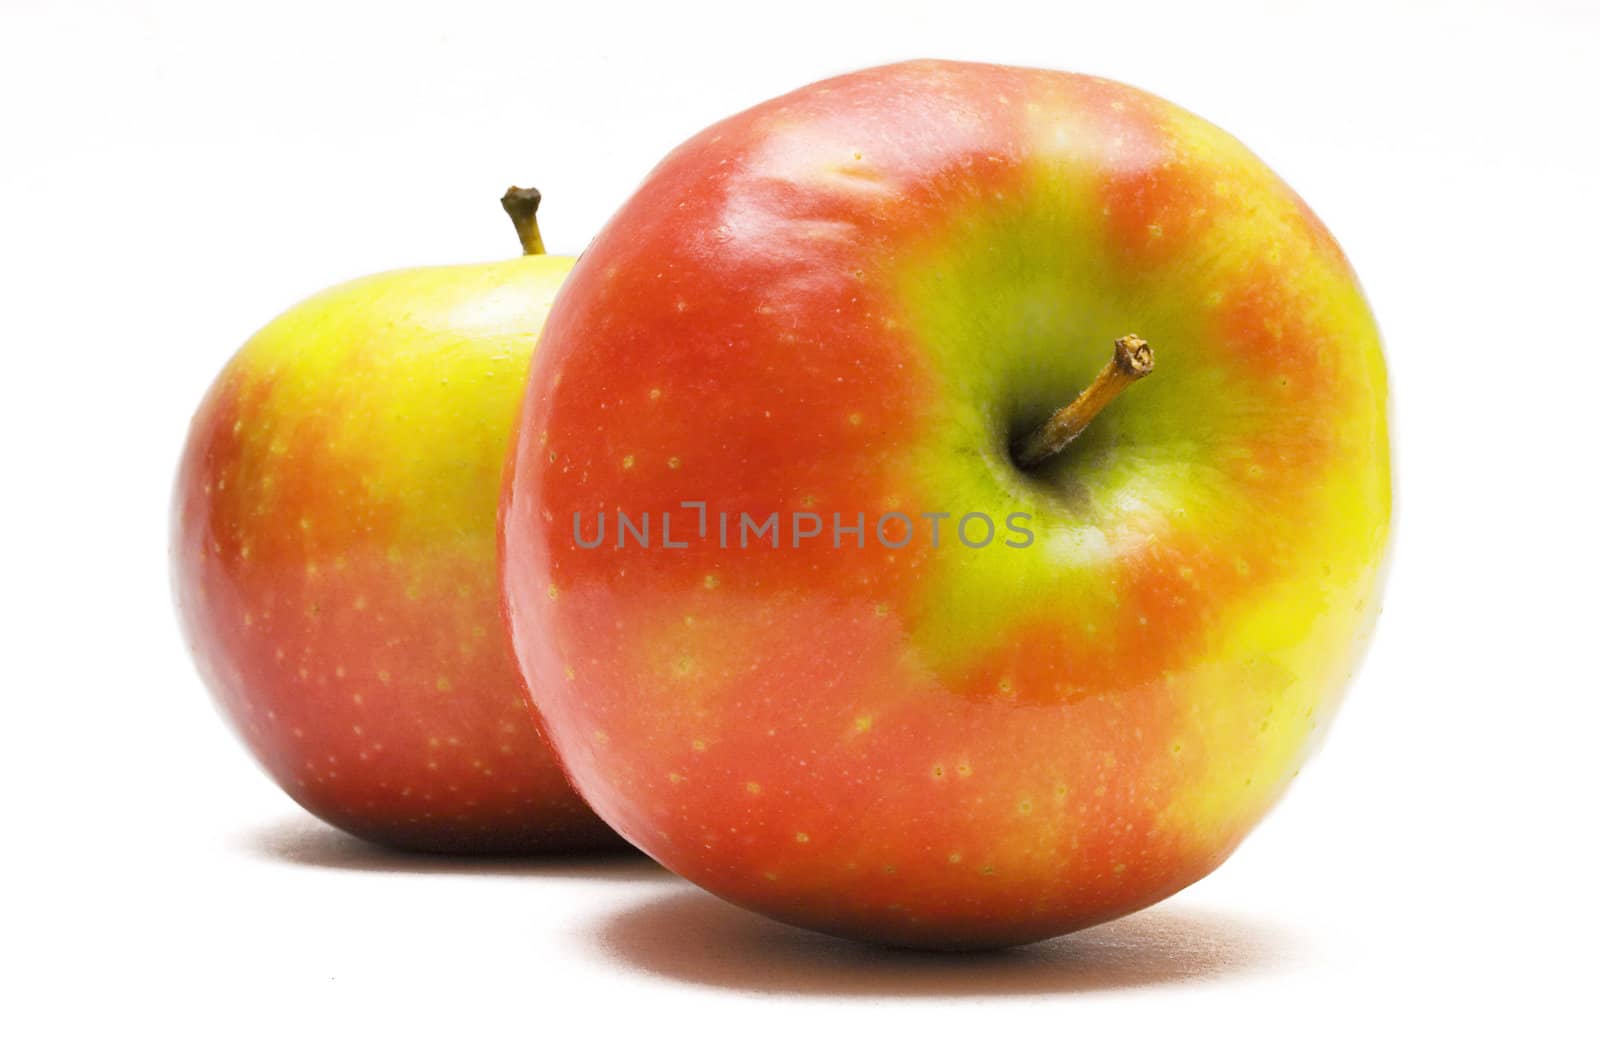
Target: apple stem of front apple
{"points": [[523, 207], [1131, 360]]}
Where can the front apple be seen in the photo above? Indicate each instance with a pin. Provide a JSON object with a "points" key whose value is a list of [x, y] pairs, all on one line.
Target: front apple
{"points": [[832, 653]]}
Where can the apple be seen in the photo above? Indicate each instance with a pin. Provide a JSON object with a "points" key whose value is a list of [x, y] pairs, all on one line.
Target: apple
{"points": [[1033, 646], [334, 556]]}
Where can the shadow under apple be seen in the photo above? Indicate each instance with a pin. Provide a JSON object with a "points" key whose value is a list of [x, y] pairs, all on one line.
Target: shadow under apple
{"points": [[305, 841], [690, 936]]}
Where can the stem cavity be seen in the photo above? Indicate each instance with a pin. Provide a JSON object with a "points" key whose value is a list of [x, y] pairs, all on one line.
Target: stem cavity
{"points": [[1130, 362]]}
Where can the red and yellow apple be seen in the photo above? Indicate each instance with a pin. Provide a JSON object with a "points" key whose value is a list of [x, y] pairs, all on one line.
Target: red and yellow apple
{"points": [[334, 556], [855, 300]]}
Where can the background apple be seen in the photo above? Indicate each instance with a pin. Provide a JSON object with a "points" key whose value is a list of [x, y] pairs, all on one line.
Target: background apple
{"points": [[334, 556], [857, 298]]}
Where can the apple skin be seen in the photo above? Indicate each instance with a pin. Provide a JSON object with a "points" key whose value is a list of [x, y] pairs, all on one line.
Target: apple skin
{"points": [[334, 560], [853, 298]]}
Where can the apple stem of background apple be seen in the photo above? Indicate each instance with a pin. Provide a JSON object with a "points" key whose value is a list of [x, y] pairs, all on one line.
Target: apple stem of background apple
{"points": [[523, 207], [1131, 360]]}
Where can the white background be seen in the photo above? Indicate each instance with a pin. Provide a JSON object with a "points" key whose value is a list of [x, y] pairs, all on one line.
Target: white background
{"points": [[174, 174]]}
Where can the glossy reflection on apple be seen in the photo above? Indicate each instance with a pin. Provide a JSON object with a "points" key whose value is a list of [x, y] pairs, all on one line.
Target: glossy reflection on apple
{"points": [[861, 303]]}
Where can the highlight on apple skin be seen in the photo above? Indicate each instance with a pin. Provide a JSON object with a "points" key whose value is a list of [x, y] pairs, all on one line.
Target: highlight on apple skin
{"points": [[858, 299], [334, 557]]}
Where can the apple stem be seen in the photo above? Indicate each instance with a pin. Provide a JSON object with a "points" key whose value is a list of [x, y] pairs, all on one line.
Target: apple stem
{"points": [[1130, 362], [523, 207]]}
